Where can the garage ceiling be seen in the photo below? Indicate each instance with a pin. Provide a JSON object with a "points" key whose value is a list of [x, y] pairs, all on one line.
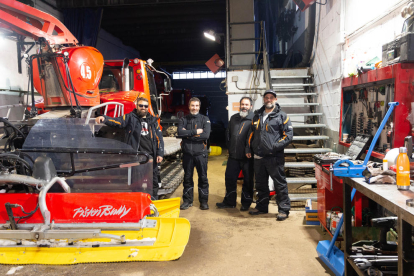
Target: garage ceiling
{"points": [[168, 31]]}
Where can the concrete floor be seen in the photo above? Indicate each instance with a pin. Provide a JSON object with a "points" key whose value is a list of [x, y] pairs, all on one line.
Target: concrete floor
{"points": [[222, 242]]}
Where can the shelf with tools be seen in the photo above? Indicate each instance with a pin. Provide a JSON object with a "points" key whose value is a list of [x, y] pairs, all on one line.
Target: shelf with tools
{"points": [[365, 101]]}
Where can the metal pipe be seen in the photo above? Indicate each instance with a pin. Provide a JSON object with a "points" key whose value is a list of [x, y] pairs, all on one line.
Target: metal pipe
{"points": [[309, 36], [103, 226], [125, 75], [21, 179], [42, 196], [228, 46]]}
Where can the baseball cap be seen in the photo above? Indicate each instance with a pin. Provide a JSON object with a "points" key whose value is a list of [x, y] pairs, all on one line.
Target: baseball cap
{"points": [[271, 92]]}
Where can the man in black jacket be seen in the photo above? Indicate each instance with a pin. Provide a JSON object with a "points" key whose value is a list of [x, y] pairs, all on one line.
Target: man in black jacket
{"points": [[236, 136], [194, 129], [270, 132], [143, 133]]}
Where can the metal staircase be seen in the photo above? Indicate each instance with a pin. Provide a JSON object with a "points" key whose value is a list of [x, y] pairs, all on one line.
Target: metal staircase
{"points": [[294, 88], [296, 96]]}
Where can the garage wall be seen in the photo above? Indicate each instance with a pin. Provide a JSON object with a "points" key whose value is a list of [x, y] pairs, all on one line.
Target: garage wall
{"points": [[210, 88], [364, 37], [347, 36]]}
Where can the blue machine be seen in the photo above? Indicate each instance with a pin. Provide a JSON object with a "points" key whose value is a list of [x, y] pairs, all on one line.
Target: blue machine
{"points": [[332, 256]]}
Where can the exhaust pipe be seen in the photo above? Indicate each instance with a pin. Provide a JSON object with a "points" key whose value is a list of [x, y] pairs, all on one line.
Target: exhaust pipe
{"points": [[125, 75]]}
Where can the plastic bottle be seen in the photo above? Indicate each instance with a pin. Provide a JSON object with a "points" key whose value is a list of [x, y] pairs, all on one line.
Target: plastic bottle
{"points": [[403, 170], [384, 165]]}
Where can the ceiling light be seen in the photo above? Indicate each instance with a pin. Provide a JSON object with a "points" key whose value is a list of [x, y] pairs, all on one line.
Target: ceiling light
{"points": [[210, 35], [408, 10]]}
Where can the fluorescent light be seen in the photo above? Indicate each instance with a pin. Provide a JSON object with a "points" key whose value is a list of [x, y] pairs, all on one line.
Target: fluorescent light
{"points": [[209, 35]]}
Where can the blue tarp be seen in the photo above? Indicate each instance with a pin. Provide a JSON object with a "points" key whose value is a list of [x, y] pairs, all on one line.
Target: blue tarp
{"points": [[267, 10], [84, 24]]}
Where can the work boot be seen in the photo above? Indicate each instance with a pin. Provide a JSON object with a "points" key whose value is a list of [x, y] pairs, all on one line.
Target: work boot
{"points": [[255, 212], [282, 216], [245, 208], [204, 206], [185, 205], [222, 205]]}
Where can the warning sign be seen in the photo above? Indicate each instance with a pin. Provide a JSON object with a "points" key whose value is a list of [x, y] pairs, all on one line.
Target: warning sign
{"points": [[236, 106]]}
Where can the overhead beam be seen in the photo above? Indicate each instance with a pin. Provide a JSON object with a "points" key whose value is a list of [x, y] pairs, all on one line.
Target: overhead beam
{"points": [[167, 20], [109, 3], [132, 13]]}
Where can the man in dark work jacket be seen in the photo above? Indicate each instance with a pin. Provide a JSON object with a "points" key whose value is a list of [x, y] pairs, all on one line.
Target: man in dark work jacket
{"points": [[270, 132], [236, 136], [194, 129], [143, 133]]}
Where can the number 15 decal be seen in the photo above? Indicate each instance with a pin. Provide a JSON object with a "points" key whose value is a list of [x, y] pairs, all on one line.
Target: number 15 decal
{"points": [[86, 72]]}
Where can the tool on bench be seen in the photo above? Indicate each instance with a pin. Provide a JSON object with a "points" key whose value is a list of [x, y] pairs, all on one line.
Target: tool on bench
{"points": [[332, 256], [365, 264]]}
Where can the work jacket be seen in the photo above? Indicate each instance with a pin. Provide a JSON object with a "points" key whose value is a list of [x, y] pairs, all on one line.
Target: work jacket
{"points": [[131, 122], [269, 138], [236, 135], [193, 143]]}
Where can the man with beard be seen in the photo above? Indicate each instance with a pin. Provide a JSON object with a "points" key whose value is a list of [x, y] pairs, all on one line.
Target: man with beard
{"points": [[194, 129], [236, 136], [142, 133], [270, 132]]}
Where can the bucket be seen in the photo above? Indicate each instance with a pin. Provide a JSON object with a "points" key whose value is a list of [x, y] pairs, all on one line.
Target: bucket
{"points": [[215, 151]]}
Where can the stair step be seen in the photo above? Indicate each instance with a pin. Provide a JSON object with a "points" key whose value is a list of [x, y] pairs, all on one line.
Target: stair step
{"points": [[299, 165], [298, 104], [304, 114], [307, 150], [303, 197], [289, 90], [304, 138], [307, 125], [290, 77], [300, 180], [296, 94], [293, 85]]}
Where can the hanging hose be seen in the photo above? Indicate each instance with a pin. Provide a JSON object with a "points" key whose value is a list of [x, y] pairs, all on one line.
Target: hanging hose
{"points": [[19, 159], [70, 85], [6, 122]]}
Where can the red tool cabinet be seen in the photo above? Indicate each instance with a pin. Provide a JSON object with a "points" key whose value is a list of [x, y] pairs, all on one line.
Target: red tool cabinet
{"points": [[399, 77], [329, 198]]}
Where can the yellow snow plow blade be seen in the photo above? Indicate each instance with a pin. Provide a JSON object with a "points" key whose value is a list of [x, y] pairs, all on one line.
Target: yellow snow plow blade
{"points": [[165, 242], [168, 208]]}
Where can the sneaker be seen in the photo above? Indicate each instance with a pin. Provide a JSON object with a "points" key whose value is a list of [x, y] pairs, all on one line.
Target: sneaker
{"points": [[222, 205], [244, 208], [185, 205], [255, 212], [282, 216], [204, 206]]}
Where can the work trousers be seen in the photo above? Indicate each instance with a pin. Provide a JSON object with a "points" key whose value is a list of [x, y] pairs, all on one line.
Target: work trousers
{"points": [[200, 163], [275, 168], [232, 173]]}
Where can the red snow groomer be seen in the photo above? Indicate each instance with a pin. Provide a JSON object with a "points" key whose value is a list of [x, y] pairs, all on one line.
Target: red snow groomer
{"points": [[69, 195]]}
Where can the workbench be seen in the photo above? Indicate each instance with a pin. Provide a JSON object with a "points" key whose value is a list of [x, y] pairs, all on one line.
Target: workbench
{"points": [[394, 200]]}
